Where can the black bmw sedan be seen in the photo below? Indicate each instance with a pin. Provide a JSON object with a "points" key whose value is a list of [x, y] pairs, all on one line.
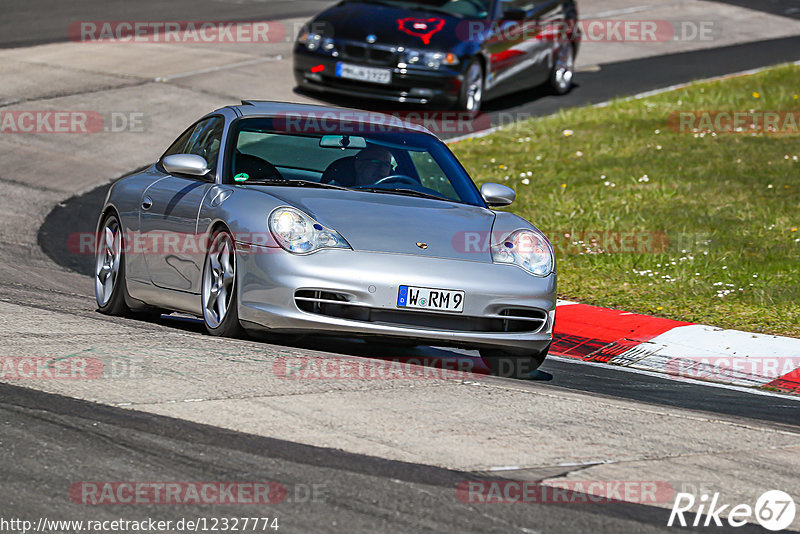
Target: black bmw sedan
{"points": [[454, 53]]}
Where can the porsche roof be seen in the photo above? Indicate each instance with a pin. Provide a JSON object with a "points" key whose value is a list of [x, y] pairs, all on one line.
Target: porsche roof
{"points": [[268, 108]]}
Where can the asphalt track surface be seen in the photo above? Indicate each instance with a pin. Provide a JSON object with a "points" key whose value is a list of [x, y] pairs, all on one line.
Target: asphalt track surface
{"points": [[80, 441], [50, 442], [34, 22], [784, 8]]}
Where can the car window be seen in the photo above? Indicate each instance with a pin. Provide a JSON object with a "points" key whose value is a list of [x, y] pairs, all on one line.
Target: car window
{"points": [[205, 140], [290, 151], [377, 157], [180, 143]]}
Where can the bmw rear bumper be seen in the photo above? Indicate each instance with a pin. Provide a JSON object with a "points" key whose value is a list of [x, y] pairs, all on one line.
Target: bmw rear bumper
{"points": [[345, 292]]}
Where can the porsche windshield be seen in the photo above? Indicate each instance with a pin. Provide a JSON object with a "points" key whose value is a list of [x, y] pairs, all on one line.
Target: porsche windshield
{"points": [[344, 155]]}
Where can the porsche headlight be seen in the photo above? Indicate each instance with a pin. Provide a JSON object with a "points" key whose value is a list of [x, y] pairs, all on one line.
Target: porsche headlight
{"points": [[432, 60], [298, 233], [527, 249]]}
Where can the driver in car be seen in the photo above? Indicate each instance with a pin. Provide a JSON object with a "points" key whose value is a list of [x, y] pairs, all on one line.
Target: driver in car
{"points": [[372, 164]]}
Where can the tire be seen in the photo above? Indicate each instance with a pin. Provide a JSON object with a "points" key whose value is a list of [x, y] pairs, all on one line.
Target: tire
{"points": [[109, 274], [470, 97], [511, 365], [563, 70], [220, 305]]}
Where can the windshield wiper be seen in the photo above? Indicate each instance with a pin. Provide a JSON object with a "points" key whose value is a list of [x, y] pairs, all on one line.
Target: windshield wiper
{"points": [[292, 183], [405, 192]]}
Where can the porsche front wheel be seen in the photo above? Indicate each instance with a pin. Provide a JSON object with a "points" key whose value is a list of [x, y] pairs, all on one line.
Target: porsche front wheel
{"points": [[109, 274], [220, 310]]}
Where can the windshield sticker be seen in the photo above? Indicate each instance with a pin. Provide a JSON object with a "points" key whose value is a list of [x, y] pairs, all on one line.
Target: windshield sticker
{"points": [[422, 28], [241, 177]]}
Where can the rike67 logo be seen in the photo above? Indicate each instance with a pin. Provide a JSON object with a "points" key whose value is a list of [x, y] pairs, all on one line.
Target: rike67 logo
{"points": [[774, 510]]}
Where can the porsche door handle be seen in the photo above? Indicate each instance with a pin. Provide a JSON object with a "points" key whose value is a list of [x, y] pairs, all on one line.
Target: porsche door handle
{"points": [[147, 203]]}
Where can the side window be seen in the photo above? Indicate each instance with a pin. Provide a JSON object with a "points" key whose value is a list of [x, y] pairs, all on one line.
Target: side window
{"points": [[179, 144], [205, 139]]}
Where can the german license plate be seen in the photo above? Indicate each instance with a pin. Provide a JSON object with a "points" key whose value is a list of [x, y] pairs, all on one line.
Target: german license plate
{"points": [[365, 74], [430, 299]]}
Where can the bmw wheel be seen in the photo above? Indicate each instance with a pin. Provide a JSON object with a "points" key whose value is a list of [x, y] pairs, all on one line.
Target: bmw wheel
{"points": [[563, 68], [471, 95]]}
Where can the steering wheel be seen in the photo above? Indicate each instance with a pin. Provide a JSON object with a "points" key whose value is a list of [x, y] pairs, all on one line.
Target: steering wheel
{"points": [[401, 178]]}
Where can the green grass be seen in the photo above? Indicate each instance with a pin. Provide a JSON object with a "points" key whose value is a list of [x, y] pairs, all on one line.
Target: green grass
{"points": [[728, 204]]}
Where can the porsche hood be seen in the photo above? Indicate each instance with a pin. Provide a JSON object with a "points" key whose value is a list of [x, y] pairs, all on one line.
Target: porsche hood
{"points": [[377, 222]]}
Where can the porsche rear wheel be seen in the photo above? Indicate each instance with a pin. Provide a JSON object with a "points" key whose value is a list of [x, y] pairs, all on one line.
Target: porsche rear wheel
{"points": [[109, 275], [220, 307]]}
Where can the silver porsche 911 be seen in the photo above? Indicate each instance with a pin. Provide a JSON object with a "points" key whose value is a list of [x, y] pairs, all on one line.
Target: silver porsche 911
{"points": [[300, 219]]}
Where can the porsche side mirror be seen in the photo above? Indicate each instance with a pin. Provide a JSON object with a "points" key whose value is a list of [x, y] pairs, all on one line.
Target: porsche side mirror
{"points": [[186, 164], [497, 195]]}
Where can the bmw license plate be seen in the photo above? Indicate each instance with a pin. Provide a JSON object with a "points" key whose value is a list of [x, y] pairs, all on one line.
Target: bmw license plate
{"points": [[429, 299], [365, 74]]}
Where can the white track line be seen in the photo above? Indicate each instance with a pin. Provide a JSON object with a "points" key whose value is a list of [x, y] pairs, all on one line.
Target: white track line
{"points": [[665, 376], [615, 12], [164, 79]]}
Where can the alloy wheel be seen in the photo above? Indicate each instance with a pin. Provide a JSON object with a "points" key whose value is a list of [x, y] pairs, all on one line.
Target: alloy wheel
{"points": [[219, 275]]}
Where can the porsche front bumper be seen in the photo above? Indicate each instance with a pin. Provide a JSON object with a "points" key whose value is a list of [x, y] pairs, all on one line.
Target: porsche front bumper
{"points": [[353, 293]]}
